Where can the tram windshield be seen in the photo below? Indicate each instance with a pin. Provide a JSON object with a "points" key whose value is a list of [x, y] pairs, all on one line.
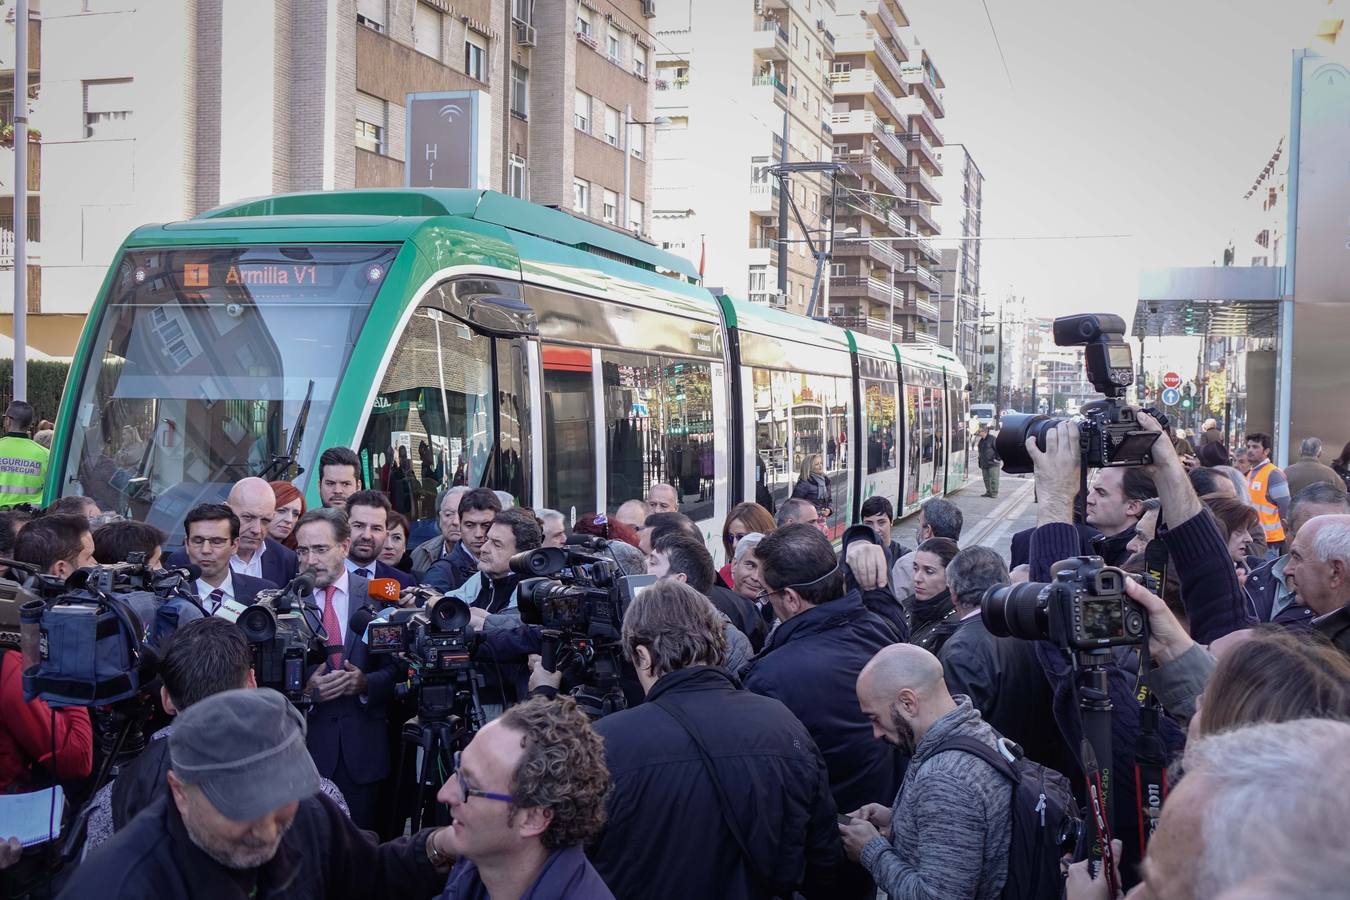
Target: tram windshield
{"points": [[211, 364]]}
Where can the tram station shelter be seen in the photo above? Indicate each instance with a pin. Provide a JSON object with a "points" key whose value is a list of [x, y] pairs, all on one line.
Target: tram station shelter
{"points": [[1300, 388]]}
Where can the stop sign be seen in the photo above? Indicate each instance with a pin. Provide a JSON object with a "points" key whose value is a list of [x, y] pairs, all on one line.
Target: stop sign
{"points": [[1171, 380]]}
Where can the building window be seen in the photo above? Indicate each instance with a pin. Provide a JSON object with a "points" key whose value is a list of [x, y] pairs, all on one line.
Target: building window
{"points": [[759, 279], [794, 35], [640, 61], [584, 26], [428, 31], [792, 86], [372, 14], [475, 55], [520, 90], [635, 210], [613, 47], [581, 116], [841, 68], [611, 126], [522, 10], [837, 270], [610, 208], [517, 184], [107, 108], [637, 140], [372, 122], [581, 196]]}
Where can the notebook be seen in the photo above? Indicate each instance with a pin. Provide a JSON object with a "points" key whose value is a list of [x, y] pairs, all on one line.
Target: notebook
{"points": [[33, 818]]}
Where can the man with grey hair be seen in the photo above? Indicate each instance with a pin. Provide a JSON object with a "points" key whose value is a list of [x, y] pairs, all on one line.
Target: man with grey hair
{"points": [[1001, 675], [937, 518], [1319, 566], [795, 512], [1293, 775], [695, 710], [1274, 597], [447, 520], [1309, 469], [555, 527], [662, 498]]}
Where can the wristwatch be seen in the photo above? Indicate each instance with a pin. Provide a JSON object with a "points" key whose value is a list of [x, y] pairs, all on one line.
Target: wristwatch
{"points": [[438, 859]]}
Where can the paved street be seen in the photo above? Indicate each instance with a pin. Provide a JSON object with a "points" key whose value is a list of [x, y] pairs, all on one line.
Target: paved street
{"points": [[990, 523]]}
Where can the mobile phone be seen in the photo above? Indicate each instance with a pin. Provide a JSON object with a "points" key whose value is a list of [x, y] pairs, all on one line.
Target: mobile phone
{"points": [[845, 820]]}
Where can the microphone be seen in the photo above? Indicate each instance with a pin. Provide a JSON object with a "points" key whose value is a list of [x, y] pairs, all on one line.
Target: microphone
{"points": [[191, 572], [303, 584], [386, 590], [363, 616], [589, 541]]}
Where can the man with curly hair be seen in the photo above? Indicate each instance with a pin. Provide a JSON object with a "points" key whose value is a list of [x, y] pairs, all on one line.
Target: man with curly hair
{"points": [[526, 793]]}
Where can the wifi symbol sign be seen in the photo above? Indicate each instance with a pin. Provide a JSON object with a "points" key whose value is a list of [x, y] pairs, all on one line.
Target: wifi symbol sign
{"points": [[451, 111]]}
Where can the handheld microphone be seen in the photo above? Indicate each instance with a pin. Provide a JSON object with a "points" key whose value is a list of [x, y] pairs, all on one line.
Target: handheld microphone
{"points": [[191, 572], [363, 616], [386, 590], [589, 541]]}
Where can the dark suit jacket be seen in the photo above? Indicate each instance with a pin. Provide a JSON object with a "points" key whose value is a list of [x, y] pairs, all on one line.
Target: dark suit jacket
{"points": [[246, 587], [279, 564], [356, 729], [403, 578]]}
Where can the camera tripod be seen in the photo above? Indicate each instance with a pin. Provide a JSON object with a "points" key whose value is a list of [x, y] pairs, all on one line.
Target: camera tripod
{"points": [[1092, 670], [435, 734]]}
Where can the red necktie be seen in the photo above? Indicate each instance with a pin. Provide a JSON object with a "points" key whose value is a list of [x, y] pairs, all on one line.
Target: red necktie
{"points": [[330, 625]]}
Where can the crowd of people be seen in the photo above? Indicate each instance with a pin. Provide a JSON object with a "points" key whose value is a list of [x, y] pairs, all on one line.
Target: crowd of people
{"points": [[802, 720]]}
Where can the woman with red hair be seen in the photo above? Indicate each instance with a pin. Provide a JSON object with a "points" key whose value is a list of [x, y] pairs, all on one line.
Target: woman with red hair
{"points": [[601, 526], [290, 507]]}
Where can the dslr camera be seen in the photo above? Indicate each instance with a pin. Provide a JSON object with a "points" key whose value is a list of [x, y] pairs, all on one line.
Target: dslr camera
{"points": [[1083, 609], [1108, 432], [437, 644], [579, 600]]}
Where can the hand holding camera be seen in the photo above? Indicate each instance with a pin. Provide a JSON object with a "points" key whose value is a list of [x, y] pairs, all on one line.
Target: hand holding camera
{"points": [[1057, 472], [1167, 637]]}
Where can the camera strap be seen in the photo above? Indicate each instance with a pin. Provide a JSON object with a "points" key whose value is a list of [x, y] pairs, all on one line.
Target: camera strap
{"points": [[723, 801], [1150, 755]]}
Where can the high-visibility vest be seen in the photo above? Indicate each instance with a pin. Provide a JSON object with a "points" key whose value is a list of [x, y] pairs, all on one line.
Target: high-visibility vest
{"points": [[23, 467], [1267, 512]]}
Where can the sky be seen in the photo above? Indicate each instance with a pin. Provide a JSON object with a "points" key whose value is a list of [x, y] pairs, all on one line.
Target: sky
{"points": [[1144, 118]]}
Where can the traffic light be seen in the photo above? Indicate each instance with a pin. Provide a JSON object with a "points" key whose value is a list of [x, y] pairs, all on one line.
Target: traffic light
{"points": [[1185, 402]]}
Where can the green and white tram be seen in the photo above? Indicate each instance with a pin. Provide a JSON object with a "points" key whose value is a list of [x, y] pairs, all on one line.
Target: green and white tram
{"points": [[466, 337]]}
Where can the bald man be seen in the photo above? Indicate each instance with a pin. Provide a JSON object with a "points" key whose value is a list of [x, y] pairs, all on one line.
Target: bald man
{"points": [[632, 512], [950, 837], [662, 498], [258, 555]]}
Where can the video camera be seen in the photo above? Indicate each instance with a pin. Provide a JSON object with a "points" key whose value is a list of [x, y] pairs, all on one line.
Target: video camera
{"points": [[285, 630], [1084, 609], [437, 643], [1108, 431], [579, 600]]}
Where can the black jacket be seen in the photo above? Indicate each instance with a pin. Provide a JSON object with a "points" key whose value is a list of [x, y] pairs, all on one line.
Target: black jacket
{"points": [[1261, 587], [742, 613], [931, 622], [449, 572], [279, 563], [815, 489], [1335, 627], [139, 782], [988, 453], [1006, 683], [666, 835], [811, 663], [323, 855], [1021, 544]]}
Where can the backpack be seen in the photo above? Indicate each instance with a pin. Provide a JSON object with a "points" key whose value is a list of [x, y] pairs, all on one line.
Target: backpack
{"points": [[1045, 819]]}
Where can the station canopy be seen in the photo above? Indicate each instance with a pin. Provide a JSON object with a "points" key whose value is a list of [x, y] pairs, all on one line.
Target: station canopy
{"points": [[1210, 302]]}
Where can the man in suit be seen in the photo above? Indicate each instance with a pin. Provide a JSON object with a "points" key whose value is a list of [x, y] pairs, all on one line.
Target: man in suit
{"points": [[258, 555], [368, 516], [350, 688], [212, 538]]}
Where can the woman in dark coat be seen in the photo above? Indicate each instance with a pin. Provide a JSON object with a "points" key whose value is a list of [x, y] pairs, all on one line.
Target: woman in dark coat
{"points": [[812, 483]]}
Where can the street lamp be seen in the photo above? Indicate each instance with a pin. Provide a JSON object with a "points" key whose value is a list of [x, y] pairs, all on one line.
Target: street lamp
{"points": [[628, 158]]}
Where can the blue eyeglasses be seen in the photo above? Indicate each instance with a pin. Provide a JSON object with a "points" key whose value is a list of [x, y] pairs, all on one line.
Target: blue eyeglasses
{"points": [[474, 792]]}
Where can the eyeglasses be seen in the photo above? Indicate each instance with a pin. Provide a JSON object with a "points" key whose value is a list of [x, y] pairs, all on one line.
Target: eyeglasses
{"points": [[736, 538], [474, 792], [215, 543], [317, 550]]}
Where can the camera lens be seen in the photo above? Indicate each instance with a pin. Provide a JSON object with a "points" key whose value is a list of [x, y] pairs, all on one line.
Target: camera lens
{"points": [[257, 624], [449, 614], [1016, 610], [1012, 439]]}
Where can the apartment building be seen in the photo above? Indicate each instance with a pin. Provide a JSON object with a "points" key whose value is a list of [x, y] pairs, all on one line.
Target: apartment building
{"points": [[741, 87], [887, 98], [154, 110], [962, 186]]}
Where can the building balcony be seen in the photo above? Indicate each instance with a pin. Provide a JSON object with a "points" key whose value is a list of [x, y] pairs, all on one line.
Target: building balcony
{"points": [[33, 246], [878, 253], [920, 245], [872, 326], [921, 276], [866, 163], [919, 114], [871, 42], [923, 213], [926, 89], [917, 142], [857, 121], [878, 15], [923, 182], [770, 41], [865, 82], [764, 196], [770, 81], [34, 169]]}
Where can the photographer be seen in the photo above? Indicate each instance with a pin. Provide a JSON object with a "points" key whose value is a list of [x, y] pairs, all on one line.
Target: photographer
{"points": [[678, 827], [204, 657], [351, 687], [116, 541], [243, 816]]}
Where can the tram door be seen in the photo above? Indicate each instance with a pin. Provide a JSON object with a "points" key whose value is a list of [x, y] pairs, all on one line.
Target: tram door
{"points": [[569, 430]]}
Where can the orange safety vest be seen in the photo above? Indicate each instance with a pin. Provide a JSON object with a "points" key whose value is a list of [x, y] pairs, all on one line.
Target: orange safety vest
{"points": [[1267, 512]]}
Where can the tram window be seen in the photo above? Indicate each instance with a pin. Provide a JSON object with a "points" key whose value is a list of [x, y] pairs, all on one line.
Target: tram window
{"points": [[511, 470], [774, 468], [879, 400], [431, 426], [926, 425], [658, 429], [569, 427], [939, 436], [956, 420], [912, 416]]}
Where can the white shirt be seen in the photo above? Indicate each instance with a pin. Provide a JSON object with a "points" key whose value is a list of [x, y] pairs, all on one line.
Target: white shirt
{"points": [[253, 566], [342, 603], [204, 592]]}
